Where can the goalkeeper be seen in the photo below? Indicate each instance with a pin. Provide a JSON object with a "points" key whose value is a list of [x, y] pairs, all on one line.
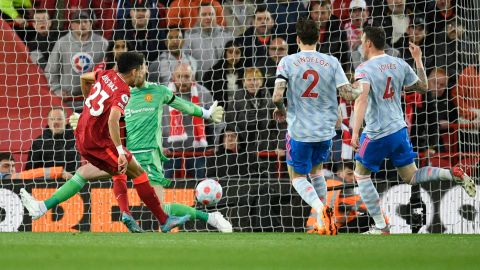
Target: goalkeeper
{"points": [[143, 117]]}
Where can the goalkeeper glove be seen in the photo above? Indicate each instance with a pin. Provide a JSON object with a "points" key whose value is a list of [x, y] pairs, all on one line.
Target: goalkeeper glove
{"points": [[73, 120], [214, 114]]}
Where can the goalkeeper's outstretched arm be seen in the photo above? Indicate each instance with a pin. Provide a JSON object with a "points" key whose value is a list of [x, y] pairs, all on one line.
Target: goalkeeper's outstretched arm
{"points": [[214, 114]]}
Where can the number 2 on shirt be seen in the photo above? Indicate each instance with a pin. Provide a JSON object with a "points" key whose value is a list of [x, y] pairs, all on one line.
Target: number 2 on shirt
{"points": [[389, 91], [308, 93]]}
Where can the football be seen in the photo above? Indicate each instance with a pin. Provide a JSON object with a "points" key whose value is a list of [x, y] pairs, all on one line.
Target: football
{"points": [[208, 192]]}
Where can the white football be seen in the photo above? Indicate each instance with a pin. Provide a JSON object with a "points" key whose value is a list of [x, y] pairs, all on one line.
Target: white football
{"points": [[208, 192]]}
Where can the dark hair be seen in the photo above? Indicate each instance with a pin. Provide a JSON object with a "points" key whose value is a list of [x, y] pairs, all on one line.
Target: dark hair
{"points": [[376, 35], [109, 57], [6, 156], [205, 4], [322, 3], [261, 8], [307, 31], [175, 28], [129, 61]]}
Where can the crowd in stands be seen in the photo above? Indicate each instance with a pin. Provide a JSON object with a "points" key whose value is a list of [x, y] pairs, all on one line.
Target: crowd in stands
{"points": [[208, 50]]}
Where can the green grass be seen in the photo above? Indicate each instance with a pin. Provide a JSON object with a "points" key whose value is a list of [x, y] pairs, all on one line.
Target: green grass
{"points": [[236, 251]]}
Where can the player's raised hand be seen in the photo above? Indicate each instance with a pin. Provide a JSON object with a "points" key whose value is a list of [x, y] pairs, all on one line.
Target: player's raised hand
{"points": [[415, 51], [122, 164], [355, 142], [73, 120], [215, 113], [279, 115]]}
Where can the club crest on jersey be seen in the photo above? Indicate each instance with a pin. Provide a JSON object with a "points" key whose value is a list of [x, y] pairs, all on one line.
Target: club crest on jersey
{"points": [[82, 62], [148, 98]]}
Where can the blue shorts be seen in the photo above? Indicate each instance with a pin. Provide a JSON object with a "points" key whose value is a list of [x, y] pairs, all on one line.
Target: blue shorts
{"points": [[396, 146], [302, 156]]}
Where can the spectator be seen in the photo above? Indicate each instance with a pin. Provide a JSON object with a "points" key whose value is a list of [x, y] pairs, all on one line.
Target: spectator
{"points": [[56, 146], [231, 159], [354, 28], [440, 12], [435, 114], [184, 13], [157, 9], [8, 171], [7, 165], [277, 49], [238, 15], [186, 133], [467, 95], [467, 99], [252, 111], [453, 49], [350, 213], [74, 54], [145, 38], [41, 38], [287, 13], [161, 69], [115, 48], [225, 77], [206, 41], [392, 16], [256, 39], [332, 38], [415, 34]]}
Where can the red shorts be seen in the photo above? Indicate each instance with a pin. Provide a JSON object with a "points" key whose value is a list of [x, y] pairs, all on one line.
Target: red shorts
{"points": [[105, 159]]}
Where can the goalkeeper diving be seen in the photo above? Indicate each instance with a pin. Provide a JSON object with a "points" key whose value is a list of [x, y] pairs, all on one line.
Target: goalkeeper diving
{"points": [[143, 117]]}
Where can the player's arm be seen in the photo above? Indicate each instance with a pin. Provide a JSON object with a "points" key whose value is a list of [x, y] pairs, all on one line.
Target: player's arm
{"points": [[114, 129], [214, 114], [278, 92], [349, 92], [422, 84], [86, 81], [360, 108], [114, 126]]}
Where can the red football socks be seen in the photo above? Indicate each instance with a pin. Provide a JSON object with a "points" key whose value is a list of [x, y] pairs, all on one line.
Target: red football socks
{"points": [[147, 194], [120, 191]]}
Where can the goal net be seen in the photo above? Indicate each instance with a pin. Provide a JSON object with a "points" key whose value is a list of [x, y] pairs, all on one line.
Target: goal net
{"points": [[206, 50]]}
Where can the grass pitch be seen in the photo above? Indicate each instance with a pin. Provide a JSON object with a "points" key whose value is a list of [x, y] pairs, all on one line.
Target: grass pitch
{"points": [[248, 251]]}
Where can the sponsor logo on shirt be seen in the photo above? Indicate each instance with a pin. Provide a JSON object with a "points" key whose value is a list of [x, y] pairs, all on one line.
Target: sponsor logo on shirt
{"points": [[130, 112], [148, 97]]}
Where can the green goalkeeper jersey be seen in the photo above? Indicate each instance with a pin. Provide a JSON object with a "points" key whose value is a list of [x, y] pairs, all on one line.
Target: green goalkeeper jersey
{"points": [[143, 115]]}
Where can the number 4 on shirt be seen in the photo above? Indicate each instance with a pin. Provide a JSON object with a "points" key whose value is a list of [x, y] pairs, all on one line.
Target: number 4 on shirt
{"points": [[389, 91]]}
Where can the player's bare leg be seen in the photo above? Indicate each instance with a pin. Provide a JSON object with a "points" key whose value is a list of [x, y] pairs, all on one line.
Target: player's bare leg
{"points": [[148, 196], [370, 197], [306, 190], [87, 172], [411, 175]]}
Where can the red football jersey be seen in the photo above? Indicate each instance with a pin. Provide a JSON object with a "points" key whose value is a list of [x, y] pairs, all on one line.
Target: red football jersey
{"points": [[108, 91]]}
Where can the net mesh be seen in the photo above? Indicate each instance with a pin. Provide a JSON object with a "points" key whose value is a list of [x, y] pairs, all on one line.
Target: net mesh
{"points": [[232, 48]]}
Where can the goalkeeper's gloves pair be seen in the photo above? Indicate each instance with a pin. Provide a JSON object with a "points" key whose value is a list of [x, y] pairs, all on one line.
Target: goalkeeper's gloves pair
{"points": [[214, 114], [73, 120]]}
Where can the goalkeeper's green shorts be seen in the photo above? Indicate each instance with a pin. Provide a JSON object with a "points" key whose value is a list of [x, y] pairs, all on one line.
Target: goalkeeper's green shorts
{"points": [[151, 162]]}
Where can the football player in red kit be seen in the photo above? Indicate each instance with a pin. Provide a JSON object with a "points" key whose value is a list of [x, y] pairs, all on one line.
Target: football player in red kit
{"points": [[98, 141]]}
